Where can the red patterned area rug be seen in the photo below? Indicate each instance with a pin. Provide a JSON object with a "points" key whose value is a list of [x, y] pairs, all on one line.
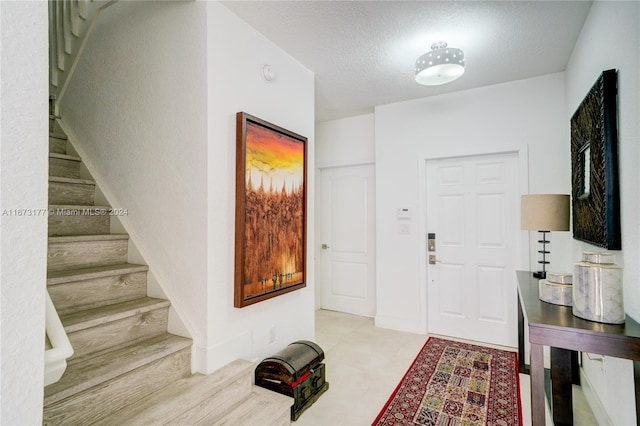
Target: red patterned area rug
{"points": [[453, 383]]}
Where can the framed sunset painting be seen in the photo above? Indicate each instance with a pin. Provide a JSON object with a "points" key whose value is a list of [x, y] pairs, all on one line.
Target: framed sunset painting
{"points": [[271, 199]]}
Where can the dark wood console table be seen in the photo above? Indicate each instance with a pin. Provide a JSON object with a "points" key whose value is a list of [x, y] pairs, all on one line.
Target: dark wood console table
{"points": [[556, 326]]}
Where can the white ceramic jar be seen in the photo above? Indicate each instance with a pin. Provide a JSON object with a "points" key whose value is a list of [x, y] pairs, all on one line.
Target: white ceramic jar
{"points": [[556, 293], [556, 289], [597, 289]]}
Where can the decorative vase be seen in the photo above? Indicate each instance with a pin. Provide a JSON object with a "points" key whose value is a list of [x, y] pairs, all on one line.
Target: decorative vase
{"points": [[556, 289], [597, 289]]}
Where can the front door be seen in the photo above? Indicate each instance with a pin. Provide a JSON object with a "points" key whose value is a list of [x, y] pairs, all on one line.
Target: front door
{"points": [[347, 239], [472, 210]]}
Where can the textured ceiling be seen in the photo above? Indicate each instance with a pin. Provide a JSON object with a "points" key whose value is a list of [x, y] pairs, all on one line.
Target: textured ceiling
{"points": [[363, 52]]}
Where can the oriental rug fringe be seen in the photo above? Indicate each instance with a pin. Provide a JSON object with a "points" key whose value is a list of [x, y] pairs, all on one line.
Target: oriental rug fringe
{"points": [[453, 383]]}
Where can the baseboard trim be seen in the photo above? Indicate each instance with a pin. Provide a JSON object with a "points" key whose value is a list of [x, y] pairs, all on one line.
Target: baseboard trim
{"points": [[396, 323], [212, 358]]}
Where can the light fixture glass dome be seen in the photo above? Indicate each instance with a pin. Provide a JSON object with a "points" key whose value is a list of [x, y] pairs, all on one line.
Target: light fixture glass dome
{"points": [[440, 66]]}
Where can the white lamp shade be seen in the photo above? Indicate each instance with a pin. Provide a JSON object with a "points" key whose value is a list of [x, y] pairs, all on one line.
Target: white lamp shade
{"points": [[439, 74], [439, 66], [545, 212]]}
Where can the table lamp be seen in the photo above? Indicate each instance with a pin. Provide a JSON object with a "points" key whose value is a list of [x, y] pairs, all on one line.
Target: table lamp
{"points": [[544, 213]]}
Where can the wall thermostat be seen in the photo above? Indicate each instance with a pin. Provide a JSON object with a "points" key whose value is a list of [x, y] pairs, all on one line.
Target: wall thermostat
{"points": [[403, 213]]}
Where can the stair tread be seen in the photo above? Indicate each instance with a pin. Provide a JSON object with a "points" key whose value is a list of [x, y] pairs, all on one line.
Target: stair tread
{"points": [[76, 207], [92, 317], [59, 277], [64, 157], [262, 407], [59, 179], [80, 238], [93, 371], [58, 136], [180, 397]]}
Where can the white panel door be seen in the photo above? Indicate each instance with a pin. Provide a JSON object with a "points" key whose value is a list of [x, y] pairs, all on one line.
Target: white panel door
{"points": [[472, 209], [347, 239]]}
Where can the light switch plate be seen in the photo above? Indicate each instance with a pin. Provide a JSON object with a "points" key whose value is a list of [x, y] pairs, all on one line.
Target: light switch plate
{"points": [[404, 228]]}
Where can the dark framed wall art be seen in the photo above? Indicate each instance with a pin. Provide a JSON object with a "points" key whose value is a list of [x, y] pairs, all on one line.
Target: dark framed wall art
{"points": [[271, 219], [594, 165]]}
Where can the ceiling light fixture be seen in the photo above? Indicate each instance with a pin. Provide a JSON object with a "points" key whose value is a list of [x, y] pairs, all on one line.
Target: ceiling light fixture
{"points": [[440, 66]]}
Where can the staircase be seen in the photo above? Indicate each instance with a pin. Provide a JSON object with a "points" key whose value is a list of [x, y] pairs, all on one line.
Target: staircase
{"points": [[126, 368]]}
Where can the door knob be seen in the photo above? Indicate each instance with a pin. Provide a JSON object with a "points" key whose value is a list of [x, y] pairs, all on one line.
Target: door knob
{"points": [[324, 247]]}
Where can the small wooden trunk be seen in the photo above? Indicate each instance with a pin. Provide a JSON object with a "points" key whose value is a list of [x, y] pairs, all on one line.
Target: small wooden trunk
{"points": [[296, 371]]}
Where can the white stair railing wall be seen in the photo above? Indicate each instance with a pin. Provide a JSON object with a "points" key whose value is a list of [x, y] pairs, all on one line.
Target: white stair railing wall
{"points": [[55, 358], [71, 23]]}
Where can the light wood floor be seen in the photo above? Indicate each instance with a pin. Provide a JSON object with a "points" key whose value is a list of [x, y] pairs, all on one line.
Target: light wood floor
{"points": [[365, 364]]}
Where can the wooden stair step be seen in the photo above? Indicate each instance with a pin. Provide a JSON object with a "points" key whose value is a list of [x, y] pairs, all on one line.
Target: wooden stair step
{"points": [[190, 400], [72, 180], [61, 277], [86, 251], [62, 165], [63, 190], [93, 317], [78, 220], [58, 136], [98, 329], [57, 143], [65, 157], [98, 386], [263, 407], [88, 288], [93, 371]]}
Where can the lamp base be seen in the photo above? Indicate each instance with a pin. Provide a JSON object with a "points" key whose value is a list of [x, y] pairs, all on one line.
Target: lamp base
{"points": [[543, 274]]}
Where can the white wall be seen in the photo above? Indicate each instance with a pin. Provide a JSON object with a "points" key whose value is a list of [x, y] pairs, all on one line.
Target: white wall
{"points": [[153, 107], [345, 142], [609, 39], [23, 185], [236, 54], [526, 115]]}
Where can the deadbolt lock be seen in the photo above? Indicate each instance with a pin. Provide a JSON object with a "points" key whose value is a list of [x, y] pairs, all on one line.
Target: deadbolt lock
{"points": [[431, 242]]}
